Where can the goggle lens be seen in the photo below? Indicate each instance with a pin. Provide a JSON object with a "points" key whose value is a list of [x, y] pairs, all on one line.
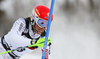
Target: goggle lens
{"points": [[40, 22]]}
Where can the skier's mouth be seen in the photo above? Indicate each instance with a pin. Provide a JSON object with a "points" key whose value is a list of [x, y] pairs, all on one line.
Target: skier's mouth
{"points": [[37, 31]]}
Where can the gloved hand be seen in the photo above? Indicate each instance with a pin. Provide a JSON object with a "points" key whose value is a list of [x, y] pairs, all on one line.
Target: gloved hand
{"points": [[40, 42]]}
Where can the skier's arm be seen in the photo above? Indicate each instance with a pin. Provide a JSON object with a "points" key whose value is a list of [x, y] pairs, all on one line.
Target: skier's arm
{"points": [[16, 31]]}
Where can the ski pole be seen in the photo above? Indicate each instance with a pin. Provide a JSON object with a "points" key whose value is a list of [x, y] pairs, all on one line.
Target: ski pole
{"points": [[17, 49], [41, 41], [48, 28]]}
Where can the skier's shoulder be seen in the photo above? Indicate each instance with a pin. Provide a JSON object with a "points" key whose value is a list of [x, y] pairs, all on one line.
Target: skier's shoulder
{"points": [[21, 20], [19, 23]]}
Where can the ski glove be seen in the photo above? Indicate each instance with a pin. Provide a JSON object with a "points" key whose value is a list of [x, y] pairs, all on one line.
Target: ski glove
{"points": [[40, 42]]}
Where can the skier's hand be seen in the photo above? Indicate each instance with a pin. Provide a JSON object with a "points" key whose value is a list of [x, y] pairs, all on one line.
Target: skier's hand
{"points": [[40, 42]]}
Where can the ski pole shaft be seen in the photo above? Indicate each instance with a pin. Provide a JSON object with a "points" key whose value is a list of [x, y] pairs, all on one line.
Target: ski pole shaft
{"points": [[48, 28], [6, 52], [16, 49]]}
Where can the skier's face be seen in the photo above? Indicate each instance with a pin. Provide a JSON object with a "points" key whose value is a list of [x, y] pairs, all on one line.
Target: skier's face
{"points": [[38, 29]]}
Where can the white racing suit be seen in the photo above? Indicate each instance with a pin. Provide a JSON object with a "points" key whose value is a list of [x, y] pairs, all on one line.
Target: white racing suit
{"points": [[6, 55], [19, 36]]}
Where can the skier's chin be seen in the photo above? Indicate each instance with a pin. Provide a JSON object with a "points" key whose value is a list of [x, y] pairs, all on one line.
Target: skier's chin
{"points": [[38, 32]]}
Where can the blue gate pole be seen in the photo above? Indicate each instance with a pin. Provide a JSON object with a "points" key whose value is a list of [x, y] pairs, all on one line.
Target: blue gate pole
{"points": [[48, 29]]}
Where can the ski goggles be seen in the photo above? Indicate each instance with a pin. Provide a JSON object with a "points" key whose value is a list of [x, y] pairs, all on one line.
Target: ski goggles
{"points": [[40, 22]]}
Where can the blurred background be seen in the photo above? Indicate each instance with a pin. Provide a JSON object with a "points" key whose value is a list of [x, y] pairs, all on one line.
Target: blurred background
{"points": [[75, 30]]}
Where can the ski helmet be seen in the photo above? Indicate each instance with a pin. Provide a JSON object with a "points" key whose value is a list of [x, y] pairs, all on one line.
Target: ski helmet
{"points": [[40, 15]]}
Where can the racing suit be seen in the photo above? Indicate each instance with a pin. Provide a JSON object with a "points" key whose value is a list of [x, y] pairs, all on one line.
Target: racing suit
{"points": [[20, 35]]}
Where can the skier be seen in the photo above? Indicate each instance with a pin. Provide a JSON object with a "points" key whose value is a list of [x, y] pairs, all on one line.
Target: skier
{"points": [[25, 32]]}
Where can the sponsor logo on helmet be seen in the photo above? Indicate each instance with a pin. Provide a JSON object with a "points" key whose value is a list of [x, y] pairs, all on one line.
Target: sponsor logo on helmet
{"points": [[37, 12]]}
